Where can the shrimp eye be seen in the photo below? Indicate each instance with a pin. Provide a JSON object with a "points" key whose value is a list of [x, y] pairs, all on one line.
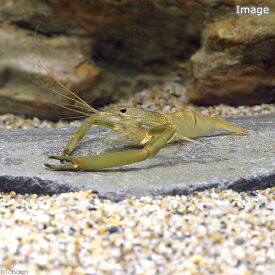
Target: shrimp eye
{"points": [[123, 110]]}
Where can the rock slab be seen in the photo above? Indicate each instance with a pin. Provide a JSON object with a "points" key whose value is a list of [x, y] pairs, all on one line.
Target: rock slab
{"points": [[225, 161]]}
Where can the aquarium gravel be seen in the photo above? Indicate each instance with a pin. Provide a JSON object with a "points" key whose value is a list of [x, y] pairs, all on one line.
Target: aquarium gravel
{"points": [[208, 232]]}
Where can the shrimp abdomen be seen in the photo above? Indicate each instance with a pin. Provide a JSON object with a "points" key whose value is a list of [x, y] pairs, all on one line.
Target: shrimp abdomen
{"points": [[192, 124]]}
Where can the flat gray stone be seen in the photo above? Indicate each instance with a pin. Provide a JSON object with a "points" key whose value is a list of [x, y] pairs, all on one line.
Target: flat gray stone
{"points": [[237, 162]]}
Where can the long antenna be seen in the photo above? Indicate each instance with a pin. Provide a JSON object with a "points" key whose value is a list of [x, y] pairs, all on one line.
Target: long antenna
{"points": [[80, 100], [84, 105], [71, 109]]}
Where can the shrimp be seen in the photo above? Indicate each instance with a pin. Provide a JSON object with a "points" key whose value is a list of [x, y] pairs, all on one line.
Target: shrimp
{"points": [[151, 130]]}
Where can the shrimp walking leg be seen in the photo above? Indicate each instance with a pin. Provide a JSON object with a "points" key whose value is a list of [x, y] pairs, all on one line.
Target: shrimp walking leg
{"points": [[82, 132], [77, 137]]}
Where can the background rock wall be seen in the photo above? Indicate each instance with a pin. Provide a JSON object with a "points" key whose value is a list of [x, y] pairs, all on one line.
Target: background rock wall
{"points": [[104, 50]]}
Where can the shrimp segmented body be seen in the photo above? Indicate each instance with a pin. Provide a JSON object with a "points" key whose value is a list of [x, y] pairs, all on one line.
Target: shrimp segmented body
{"points": [[149, 129]]}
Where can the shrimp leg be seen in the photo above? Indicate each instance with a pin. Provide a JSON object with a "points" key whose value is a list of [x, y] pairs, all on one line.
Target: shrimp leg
{"points": [[158, 135], [82, 132]]}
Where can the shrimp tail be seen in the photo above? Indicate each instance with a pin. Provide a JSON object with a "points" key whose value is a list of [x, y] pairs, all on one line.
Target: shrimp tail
{"points": [[228, 126]]}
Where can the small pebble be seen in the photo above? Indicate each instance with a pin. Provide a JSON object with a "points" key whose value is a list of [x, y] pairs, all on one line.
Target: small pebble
{"points": [[113, 229]]}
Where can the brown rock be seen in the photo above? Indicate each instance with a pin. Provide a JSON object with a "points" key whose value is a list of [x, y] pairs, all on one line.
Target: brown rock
{"points": [[236, 64], [126, 46], [27, 75]]}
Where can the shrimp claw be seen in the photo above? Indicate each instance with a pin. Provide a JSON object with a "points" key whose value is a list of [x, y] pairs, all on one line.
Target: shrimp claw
{"points": [[158, 137]]}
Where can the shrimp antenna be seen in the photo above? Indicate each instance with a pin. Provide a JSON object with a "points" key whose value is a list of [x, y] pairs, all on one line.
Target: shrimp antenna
{"points": [[68, 108], [80, 100], [65, 118], [82, 107]]}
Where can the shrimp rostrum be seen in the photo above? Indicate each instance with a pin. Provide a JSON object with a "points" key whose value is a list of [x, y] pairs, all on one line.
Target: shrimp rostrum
{"points": [[151, 130]]}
